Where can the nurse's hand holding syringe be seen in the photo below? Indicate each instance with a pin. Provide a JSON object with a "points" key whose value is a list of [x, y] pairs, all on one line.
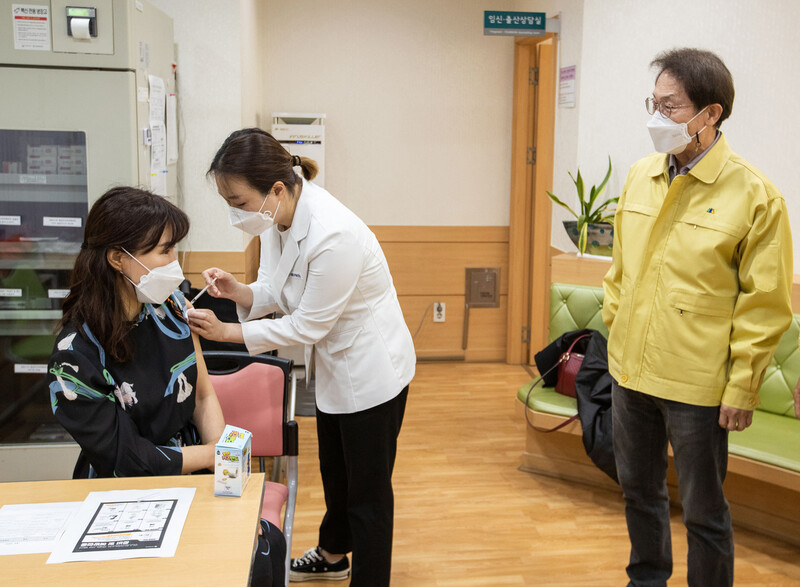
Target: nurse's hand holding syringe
{"points": [[222, 284], [203, 322], [202, 291]]}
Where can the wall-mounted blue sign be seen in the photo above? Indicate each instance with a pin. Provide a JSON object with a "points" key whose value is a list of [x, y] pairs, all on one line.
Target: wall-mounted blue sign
{"points": [[517, 24]]}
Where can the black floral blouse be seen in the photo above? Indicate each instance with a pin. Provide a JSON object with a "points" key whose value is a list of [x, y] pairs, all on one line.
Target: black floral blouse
{"points": [[130, 419]]}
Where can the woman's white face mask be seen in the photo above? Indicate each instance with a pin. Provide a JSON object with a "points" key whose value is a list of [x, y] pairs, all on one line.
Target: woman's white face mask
{"points": [[254, 223], [669, 136], [157, 284]]}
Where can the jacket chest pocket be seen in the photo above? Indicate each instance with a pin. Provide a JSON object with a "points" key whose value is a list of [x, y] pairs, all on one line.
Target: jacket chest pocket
{"points": [[700, 234], [635, 222]]}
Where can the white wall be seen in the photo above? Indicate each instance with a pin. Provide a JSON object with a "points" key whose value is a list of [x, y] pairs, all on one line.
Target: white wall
{"points": [[418, 103], [209, 88], [758, 44]]}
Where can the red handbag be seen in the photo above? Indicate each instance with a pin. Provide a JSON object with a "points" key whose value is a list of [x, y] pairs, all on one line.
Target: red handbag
{"points": [[569, 363]]}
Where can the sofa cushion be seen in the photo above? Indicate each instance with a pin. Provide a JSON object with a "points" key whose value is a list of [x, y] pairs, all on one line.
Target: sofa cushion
{"points": [[547, 399], [772, 439]]}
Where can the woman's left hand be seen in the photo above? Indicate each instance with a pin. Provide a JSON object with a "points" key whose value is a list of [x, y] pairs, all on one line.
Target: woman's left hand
{"points": [[206, 324]]}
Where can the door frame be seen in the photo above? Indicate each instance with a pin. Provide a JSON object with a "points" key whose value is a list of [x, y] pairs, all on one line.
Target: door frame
{"points": [[530, 212]]}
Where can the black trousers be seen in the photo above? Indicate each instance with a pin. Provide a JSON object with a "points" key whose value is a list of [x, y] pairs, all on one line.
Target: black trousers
{"points": [[356, 458]]}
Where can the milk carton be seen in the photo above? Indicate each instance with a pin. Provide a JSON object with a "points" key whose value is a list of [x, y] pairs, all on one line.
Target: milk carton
{"points": [[232, 461]]}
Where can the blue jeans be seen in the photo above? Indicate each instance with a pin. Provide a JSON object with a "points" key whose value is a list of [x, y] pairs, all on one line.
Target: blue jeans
{"points": [[643, 425]]}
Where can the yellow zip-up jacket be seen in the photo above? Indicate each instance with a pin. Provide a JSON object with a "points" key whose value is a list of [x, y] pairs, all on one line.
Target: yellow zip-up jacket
{"points": [[699, 290]]}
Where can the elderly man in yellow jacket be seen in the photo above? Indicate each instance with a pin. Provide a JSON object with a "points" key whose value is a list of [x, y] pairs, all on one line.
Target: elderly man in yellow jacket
{"points": [[696, 300]]}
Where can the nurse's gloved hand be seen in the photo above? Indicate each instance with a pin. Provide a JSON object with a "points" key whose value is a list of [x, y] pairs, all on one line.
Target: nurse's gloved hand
{"points": [[206, 324]]}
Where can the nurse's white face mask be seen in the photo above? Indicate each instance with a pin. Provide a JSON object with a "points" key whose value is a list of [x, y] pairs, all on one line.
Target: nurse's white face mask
{"points": [[253, 223], [669, 136], [155, 286]]}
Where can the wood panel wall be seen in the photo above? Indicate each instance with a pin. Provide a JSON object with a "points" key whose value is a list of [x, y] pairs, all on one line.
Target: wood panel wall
{"points": [[242, 265], [428, 265]]}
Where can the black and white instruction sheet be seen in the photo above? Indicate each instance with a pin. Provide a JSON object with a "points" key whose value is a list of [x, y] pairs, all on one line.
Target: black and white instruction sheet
{"points": [[112, 525]]}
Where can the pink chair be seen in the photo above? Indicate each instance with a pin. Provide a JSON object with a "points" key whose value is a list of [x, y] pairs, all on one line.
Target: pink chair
{"points": [[257, 393]]}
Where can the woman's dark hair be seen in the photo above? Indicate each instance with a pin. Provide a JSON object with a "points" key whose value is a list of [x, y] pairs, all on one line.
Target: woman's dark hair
{"points": [[123, 217], [703, 75], [261, 160]]}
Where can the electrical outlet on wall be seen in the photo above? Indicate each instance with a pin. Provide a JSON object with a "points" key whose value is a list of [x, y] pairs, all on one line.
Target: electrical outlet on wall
{"points": [[438, 311]]}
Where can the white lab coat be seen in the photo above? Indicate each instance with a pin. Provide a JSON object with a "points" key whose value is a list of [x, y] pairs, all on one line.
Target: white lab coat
{"points": [[333, 283]]}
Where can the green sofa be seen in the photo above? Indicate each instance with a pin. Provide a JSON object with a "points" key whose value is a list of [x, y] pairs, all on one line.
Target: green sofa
{"points": [[773, 438]]}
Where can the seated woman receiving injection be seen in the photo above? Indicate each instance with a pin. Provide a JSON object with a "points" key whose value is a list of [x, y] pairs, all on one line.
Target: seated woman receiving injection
{"points": [[126, 377]]}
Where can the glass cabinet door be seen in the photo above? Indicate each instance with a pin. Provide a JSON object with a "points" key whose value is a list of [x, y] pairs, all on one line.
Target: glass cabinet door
{"points": [[43, 208]]}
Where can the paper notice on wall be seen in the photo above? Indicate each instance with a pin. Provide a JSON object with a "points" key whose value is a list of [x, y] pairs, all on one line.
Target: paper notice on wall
{"points": [[158, 96], [31, 27], [566, 87], [172, 129], [158, 132], [62, 221], [30, 369], [158, 159]]}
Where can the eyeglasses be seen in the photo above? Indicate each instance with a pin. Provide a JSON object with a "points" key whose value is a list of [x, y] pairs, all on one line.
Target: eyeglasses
{"points": [[665, 109]]}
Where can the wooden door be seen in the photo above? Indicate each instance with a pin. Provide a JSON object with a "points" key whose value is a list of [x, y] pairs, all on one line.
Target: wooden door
{"points": [[530, 210]]}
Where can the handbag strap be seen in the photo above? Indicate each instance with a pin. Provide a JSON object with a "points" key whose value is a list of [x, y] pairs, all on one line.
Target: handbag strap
{"points": [[561, 359], [574, 342]]}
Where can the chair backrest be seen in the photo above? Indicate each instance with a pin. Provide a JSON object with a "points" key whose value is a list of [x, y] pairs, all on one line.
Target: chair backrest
{"points": [[253, 393]]}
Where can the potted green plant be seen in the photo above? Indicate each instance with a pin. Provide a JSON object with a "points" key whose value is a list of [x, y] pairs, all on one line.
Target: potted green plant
{"points": [[594, 227]]}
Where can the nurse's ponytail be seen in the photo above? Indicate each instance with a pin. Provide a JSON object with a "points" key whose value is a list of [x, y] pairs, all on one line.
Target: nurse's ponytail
{"points": [[256, 156], [308, 166]]}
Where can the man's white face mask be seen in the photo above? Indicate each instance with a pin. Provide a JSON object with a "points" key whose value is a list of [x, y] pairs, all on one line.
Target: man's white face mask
{"points": [[669, 136]]}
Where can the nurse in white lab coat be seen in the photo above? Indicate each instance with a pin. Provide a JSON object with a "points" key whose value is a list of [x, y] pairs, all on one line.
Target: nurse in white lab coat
{"points": [[324, 270]]}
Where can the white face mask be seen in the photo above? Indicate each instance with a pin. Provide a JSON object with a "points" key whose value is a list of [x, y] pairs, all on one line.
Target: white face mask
{"points": [[253, 223], [155, 286], [669, 136]]}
